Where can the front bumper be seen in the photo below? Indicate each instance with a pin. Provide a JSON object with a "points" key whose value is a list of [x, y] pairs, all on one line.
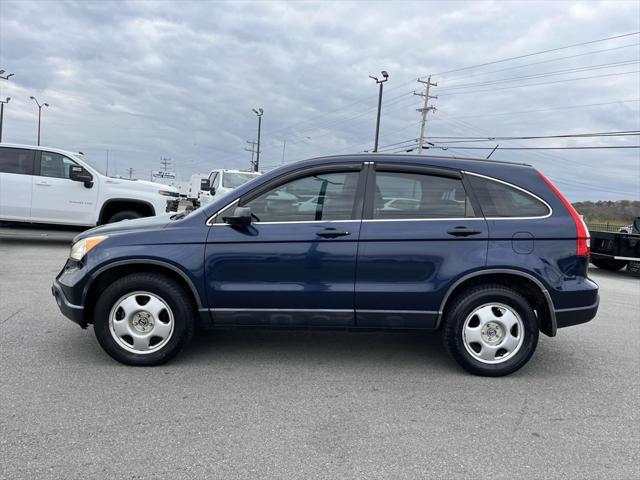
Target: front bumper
{"points": [[73, 312], [575, 316]]}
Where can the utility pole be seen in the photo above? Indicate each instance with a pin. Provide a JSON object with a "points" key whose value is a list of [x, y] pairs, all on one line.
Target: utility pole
{"points": [[385, 77], [165, 162], [284, 146], [259, 113], [2, 102], [252, 149], [130, 173], [425, 109], [39, 114]]}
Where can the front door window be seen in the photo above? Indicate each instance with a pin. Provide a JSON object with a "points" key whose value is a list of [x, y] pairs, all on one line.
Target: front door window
{"points": [[318, 197]]}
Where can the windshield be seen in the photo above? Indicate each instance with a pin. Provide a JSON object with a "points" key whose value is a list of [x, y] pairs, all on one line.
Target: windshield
{"points": [[234, 179], [92, 163]]}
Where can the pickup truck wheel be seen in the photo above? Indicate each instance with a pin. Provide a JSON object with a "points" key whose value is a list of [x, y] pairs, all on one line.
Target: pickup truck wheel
{"points": [[491, 330], [143, 319], [609, 264], [124, 215]]}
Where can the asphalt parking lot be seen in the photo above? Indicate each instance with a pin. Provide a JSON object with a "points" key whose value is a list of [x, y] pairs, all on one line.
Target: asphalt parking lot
{"points": [[309, 405]]}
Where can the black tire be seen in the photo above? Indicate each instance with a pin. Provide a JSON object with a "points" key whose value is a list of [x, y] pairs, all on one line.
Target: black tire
{"points": [[163, 287], [464, 304], [124, 215], [609, 264]]}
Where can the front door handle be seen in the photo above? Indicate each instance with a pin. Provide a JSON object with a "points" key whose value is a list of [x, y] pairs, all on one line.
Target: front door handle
{"points": [[463, 231], [332, 233], [43, 184]]}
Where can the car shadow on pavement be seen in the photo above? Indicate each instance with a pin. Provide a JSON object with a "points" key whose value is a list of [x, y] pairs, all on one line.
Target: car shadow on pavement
{"points": [[300, 347]]}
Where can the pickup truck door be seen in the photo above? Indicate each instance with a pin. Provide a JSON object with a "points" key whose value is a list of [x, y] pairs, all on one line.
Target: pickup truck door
{"points": [[57, 198], [16, 170]]}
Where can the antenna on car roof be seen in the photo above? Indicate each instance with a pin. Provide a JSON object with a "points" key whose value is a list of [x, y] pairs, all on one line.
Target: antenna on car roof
{"points": [[494, 149]]}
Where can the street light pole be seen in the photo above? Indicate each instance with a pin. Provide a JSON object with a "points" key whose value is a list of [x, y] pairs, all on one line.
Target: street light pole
{"points": [[385, 77], [259, 113], [2, 102], [39, 114]]}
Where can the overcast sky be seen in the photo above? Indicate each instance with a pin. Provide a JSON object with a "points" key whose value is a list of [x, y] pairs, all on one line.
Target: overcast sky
{"points": [[146, 80]]}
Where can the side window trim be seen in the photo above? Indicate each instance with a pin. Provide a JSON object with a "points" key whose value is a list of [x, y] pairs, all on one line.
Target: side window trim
{"points": [[374, 167], [215, 219], [526, 192]]}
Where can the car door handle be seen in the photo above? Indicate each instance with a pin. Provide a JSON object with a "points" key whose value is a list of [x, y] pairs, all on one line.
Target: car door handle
{"points": [[43, 184], [332, 233], [463, 231]]}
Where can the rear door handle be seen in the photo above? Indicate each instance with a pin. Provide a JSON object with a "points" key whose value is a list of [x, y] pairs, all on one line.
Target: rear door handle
{"points": [[332, 233], [463, 231]]}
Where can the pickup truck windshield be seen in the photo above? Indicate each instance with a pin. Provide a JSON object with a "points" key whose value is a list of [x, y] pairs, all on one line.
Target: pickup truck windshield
{"points": [[93, 164], [234, 179]]}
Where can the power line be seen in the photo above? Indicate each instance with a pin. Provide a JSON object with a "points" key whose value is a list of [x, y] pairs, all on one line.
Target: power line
{"points": [[542, 75], [590, 147], [592, 52], [544, 83], [536, 53], [564, 107], [623, 133]]}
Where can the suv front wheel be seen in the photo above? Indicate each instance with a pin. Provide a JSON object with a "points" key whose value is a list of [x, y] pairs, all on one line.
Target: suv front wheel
{"points": [[491, 330], [143, 319]]}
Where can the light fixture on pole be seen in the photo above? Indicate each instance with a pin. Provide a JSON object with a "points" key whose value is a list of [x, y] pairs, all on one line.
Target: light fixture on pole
{"points": [[39, 114], [385, 77], [259, 112], [5, 77], [2, 102]]}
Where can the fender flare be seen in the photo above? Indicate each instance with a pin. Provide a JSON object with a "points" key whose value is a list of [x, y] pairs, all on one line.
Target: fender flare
{"points": [[145, 261], [508, 271]]}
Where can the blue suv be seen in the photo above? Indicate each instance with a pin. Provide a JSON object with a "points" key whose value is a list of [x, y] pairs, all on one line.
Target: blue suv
{"points": [[488, 253]]}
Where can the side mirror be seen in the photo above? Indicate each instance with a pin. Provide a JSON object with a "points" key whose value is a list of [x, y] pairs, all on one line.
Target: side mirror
{"points": [[205, 186], [241, 217], [79, 174], [212, 191]]}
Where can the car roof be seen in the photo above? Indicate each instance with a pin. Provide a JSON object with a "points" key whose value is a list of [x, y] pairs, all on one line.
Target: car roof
{"points": [[40, 147]]}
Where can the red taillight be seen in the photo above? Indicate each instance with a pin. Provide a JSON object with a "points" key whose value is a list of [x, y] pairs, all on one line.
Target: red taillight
{"points": [[582, 246]]}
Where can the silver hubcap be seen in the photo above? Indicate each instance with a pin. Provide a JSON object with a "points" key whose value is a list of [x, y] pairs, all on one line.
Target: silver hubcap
{"points": [[493, 333], [141, 322]]}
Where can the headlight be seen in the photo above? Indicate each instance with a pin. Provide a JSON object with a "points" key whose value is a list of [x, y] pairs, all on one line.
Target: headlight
{"points": [[84, 246], [167, 193]]}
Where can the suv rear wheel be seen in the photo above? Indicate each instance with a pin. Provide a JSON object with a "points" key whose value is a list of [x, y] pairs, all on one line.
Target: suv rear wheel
{"points": [[143, 319], [491, 330]]}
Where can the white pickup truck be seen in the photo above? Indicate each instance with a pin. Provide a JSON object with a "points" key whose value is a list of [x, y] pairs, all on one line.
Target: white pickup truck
{"points": [[53, 186], [222, 181]]}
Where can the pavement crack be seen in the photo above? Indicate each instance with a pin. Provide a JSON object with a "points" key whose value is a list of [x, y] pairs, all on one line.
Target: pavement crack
{"points": [[2, 322]]}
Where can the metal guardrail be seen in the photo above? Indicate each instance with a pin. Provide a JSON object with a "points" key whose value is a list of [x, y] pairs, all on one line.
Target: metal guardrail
{"points": [[606, 227]]}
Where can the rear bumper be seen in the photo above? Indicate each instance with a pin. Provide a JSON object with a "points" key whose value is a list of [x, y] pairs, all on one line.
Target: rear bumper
{"points": [[75, 313], [567, 317]]}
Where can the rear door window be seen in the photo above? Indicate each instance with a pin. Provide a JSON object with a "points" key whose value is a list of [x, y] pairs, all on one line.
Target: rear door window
{"points": [[407, 195], [501, 200], [16, 160]]}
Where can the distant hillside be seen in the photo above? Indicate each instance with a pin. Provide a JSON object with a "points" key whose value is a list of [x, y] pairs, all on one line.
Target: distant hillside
{"points": [[621, 211]]}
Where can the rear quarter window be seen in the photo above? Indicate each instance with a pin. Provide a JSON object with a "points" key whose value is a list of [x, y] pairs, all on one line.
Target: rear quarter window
{"points": [[498, 199]]}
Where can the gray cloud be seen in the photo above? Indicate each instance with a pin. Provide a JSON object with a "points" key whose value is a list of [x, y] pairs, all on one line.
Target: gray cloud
{"points": [[151, 79]]}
